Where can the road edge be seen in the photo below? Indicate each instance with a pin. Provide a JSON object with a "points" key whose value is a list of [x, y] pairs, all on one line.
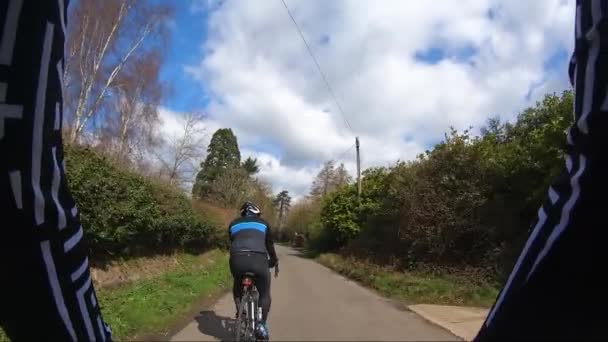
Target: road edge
{"points": [[455, 326]]}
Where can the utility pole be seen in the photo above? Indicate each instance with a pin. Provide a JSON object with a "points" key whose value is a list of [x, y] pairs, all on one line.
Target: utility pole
{"points": [[358, 166]]}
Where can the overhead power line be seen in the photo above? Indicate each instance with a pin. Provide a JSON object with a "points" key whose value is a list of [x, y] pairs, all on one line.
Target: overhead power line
{"points": [[329, 88], [345, 152]]}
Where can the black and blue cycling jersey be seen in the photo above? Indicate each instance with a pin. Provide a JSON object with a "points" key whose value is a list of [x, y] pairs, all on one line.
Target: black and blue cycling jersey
{"points": [[251, 234]]}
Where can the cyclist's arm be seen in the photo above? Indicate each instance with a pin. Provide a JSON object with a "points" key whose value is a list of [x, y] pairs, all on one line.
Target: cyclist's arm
{"points": [[270, 247], [229, 235], [46, 291], [554, 291]]}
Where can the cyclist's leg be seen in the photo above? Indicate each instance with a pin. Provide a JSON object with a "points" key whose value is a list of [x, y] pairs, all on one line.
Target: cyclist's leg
{"points": [[262, 282], [555, 291], [236, 268]]}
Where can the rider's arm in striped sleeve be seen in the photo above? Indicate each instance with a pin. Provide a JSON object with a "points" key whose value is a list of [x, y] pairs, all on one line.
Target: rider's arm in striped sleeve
{"points": [[556, 288]]}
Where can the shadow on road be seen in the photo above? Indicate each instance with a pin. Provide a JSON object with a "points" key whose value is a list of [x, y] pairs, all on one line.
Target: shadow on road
{"points": [[210, 324]]}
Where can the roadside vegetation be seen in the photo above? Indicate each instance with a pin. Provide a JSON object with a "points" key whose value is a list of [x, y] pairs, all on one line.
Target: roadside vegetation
{"points": [[461, 209], [416, 286], [150, 306], [127, 213]]}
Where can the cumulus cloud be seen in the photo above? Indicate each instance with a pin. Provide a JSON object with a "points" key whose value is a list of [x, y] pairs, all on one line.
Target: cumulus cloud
{"points": [[404, 71], [280, 176]]}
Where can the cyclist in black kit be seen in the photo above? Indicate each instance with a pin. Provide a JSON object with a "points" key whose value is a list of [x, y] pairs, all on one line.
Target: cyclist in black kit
{"points": [[252, 250]]}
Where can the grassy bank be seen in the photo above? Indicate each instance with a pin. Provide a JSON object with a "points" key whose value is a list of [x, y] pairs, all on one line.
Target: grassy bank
{"points": [[413, 287], [151, 305]]}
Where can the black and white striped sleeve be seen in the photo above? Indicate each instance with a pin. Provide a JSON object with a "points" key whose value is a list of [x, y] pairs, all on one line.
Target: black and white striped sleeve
{"points": [[555, 290], [46, 291]]}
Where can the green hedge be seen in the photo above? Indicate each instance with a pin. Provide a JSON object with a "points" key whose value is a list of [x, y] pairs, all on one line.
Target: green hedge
{"points": [[470, 200], [124, 212]]}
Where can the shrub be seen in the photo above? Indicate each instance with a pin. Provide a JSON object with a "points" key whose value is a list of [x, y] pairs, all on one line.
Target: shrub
{"points": [[124, 212], [469, 201]]}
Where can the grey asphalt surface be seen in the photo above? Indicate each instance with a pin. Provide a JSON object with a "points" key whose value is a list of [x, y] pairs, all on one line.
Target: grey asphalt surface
{"points": [[311, 302]]}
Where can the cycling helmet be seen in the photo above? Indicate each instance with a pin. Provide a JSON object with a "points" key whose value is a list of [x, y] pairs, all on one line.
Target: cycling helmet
{"points": [[250, 209]]}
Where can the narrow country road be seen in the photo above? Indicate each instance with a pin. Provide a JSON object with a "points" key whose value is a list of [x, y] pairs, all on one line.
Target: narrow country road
{"points": [[310, 302]]}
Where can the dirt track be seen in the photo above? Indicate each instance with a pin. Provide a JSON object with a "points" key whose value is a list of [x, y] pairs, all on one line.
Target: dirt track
{"points": [[310, 302]]}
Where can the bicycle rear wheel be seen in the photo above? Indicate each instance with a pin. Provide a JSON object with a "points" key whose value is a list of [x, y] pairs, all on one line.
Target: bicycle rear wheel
{"points": [[240, 326]]}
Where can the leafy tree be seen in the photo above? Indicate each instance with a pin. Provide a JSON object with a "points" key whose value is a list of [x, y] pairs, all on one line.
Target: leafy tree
{"points": [[340, 216], [283, 203], [251, 166], [222, 155]]}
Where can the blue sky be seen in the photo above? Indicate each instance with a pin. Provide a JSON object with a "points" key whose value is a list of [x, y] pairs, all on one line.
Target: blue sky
{"points": [[188, 32], [403, 71]]}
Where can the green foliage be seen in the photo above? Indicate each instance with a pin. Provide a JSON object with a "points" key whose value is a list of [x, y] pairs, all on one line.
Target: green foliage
{"points": [[124, 212], [223, 179], [250, 165], [343, 214], [468, 201], [222, 154], [340, 215]]}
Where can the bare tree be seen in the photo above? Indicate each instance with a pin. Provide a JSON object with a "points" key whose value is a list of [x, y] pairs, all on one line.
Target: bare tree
{"points": [[329, 179], [179, 154], [130, 128], [102, 39], [232, 187], [341, 177], [324, 181]]}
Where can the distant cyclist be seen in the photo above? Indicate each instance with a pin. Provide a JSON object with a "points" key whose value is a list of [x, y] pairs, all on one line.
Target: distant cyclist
{"points": [[250, 248]]}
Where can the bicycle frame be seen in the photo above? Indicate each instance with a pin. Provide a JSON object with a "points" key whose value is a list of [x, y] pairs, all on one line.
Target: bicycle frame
{"points": [[248, 305], [249, 312]]}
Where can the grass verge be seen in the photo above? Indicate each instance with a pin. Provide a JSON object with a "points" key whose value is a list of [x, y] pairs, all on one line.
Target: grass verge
{"points": [[150, 306], [413, 287]]}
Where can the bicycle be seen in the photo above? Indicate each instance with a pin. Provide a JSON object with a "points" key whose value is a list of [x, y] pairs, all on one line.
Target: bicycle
{"points": [[249, 313]]}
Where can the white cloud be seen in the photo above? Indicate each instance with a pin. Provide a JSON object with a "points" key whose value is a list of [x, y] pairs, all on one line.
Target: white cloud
{"points": [[265, 86], [280, 176]]}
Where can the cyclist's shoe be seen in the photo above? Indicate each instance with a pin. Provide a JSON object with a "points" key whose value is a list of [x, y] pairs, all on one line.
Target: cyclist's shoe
{"points": [[261, 332]]}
